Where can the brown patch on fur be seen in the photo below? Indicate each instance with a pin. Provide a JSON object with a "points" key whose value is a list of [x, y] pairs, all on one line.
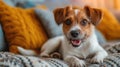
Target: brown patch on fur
{"points": [[58, 15]]}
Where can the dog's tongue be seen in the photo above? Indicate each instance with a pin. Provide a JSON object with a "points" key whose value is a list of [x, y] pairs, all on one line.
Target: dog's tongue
{"points": [[76, 42]]}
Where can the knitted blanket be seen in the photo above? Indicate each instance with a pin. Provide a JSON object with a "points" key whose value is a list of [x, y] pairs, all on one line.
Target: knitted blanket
{"points": [[11, 60], [113, 60]]}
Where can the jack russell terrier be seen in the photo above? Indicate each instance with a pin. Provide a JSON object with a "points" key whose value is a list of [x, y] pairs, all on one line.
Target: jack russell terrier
{"points": [[79, 40]]}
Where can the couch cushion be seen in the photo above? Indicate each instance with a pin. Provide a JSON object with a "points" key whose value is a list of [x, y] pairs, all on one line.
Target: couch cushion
{"points": [[21, 28], [109, 26], [3, 45], [48, 22]]}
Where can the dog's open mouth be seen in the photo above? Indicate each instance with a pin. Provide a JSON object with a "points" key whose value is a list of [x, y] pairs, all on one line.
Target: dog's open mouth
{"points": [[75, 42]]}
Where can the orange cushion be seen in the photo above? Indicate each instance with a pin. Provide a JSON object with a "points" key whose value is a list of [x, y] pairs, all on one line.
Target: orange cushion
{"points": [[109, 26], [21, 28]]}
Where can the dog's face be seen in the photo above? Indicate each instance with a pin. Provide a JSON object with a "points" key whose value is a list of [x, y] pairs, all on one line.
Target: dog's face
{"points": [[77, 23]]}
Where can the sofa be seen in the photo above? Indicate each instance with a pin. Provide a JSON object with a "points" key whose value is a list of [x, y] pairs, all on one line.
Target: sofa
{"points": [[22, 27]]}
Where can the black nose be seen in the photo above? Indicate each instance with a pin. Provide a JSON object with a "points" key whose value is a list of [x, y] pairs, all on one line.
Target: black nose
{"points": [[74, 33]]}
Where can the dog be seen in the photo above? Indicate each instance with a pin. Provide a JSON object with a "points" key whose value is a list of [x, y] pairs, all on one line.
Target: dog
{"points": [[79, 40]]}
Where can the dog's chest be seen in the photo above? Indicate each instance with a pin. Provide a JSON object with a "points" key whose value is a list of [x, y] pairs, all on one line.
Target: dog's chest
{"points": [[68, 49]]}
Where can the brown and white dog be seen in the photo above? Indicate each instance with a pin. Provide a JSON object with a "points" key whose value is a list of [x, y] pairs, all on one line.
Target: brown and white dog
{"points": [[79, 39]]}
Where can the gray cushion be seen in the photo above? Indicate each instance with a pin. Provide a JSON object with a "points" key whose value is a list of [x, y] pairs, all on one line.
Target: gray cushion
{"points": [[100, 37], [2, 40], [49, 23]]}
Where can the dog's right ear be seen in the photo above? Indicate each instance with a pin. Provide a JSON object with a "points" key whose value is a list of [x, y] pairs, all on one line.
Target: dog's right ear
{"points": [[59, 15], [95, 15]]}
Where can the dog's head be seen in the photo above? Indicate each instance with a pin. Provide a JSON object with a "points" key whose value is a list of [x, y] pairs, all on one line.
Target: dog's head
{"points": [[77, 22]]}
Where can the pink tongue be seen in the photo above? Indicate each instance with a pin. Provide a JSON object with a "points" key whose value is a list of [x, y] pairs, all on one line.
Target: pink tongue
{"points": [[76, 42]]}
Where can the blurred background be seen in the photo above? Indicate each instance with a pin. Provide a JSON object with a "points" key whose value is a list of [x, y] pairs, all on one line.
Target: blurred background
{"points": [[112, 5]]}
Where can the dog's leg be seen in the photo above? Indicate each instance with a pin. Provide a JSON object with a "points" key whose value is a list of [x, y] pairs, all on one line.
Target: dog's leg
{"points": [[74, 61], [99, 57], [96, 49], [99, 54], [50, 46]]}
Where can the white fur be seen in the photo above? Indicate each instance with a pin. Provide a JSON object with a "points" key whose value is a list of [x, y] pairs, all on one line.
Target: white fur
{"points": [[76, 11], [76, 27]]}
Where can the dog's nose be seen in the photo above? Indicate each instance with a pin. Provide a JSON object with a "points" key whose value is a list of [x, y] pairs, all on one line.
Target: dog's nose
{"points": [[74, 33]]}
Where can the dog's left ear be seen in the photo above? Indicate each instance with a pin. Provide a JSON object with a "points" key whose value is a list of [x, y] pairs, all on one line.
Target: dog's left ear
{"points": [[59, 15], [95, 15]]}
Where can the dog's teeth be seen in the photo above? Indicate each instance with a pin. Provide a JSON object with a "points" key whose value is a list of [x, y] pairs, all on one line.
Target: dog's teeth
{"points": [[76, 42]]}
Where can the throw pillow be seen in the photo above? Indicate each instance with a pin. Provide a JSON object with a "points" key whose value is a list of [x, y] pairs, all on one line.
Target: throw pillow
{"points": [[21, 28], [109, 26], [3, 45], [48, 22]]}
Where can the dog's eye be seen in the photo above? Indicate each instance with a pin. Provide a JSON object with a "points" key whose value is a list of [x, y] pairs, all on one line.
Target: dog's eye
{"points": [[68, 22], [84, 22]]}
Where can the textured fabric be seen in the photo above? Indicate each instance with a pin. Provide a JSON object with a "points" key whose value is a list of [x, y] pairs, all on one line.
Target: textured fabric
{"points": [[13, 60], [113, 60], [114, 49], [109, 26], [21, 28], [49, 23]]}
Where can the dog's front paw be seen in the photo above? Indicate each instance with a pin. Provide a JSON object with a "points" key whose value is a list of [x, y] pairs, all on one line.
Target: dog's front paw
{"points": [[75, 62], [99, 57]]}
